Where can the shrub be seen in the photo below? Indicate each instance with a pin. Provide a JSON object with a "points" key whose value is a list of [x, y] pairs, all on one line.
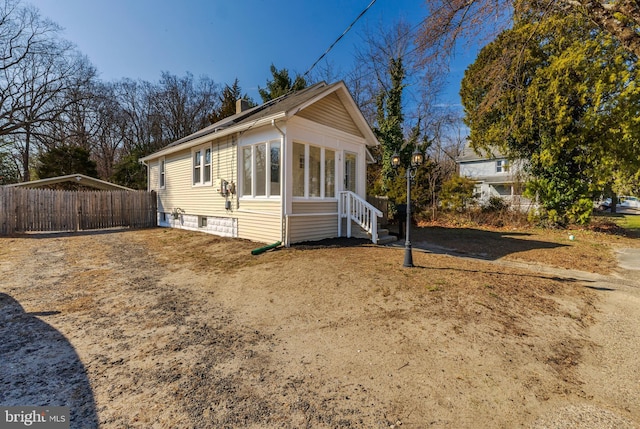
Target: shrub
{"points": [[457, 193], [495, 204]]}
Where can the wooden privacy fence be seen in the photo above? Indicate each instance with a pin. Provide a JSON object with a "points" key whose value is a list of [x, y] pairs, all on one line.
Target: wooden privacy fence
{"points": [[26, 210]]}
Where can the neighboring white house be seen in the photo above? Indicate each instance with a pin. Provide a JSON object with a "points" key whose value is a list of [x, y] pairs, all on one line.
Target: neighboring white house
{"points": [[495, 176], [289, 170]]}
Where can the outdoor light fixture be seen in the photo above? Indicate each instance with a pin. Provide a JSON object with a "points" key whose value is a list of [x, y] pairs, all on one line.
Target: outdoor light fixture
{"points": [[417, 159], [395, 160]]}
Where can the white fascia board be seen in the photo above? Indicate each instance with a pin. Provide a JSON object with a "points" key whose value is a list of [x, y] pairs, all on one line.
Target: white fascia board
{"points": [[213, 136]]}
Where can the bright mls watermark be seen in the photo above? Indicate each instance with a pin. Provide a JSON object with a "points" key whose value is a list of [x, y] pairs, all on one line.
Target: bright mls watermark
{"points": [[34, 417]]}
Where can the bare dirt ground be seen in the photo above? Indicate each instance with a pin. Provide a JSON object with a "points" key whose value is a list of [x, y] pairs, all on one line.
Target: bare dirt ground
{"points": [[172, 329]]}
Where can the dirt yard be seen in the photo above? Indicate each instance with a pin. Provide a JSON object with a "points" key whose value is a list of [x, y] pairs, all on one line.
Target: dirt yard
{"points": [[171, 329]]}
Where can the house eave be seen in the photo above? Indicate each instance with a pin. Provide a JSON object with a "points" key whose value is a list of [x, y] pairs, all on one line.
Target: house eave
{"points": [[214, 135]]}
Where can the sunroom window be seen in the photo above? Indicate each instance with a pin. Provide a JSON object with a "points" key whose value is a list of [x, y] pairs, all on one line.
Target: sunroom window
{"points": [[247, 170], [329, 173], [261, 170], [260, 176], [314, 171], [274, 176], [299, 166]]}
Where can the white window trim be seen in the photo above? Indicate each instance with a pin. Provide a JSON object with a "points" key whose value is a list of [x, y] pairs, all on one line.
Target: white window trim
{"points": [[204, 181], [323, 176], [267, 194], [277, 143], [307, 174], [502, 166], [323, 167], [324, 173], [162, 174], [210, 165]]}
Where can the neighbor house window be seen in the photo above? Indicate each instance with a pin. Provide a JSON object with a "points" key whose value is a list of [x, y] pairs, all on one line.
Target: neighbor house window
{"points": [[202, 166], [261, 170], [314, 171], [162, 176], [502, 166]]}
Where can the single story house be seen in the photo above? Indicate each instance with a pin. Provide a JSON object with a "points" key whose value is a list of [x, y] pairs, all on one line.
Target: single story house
{"points": [[495, 176], [290, 170]]}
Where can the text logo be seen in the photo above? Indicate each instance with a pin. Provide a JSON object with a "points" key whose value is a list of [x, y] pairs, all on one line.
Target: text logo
{"points": [[34, 417]]}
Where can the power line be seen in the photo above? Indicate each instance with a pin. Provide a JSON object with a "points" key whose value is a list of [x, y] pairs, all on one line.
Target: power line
{"points": [[338, 39]]}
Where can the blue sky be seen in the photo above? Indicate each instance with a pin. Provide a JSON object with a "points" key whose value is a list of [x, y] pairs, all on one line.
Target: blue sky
{"points": [[224, 39]]}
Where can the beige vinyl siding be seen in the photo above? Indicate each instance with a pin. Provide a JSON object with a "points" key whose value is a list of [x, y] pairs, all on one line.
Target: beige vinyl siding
{"points": [[311, 228], [330, 111], [259, 220], [154, 174], [202, 200]]}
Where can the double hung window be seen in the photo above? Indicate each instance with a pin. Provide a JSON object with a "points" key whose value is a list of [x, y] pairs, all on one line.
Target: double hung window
{"points": [[162, 173], [201, 159]]}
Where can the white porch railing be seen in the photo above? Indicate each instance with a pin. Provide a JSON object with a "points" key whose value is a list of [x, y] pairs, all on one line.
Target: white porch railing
{"points": [[356, 209]]}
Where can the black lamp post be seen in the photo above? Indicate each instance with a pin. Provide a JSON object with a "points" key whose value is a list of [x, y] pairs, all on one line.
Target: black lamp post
{"points": [[417, 159]]}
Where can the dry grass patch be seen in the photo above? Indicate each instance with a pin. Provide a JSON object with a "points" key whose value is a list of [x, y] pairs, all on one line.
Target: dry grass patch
{"points": [[589, 250], [206, 335]]}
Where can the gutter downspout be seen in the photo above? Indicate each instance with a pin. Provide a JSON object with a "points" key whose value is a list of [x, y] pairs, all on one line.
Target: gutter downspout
{"points": [[284, 224]]}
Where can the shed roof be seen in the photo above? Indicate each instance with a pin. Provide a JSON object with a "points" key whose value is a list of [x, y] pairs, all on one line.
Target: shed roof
{"points": [[282, 107], [81, 179]]}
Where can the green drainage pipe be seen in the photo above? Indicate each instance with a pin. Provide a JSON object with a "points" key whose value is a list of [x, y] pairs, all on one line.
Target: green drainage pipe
{"points": [[260, 250]]}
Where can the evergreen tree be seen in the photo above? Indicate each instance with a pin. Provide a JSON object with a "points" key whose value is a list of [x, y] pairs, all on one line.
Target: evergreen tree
{"points": [[389, 122], [390, 134], [131, 173], [556, 91], [281, 84], [9, 169], [228, 98], [65, 160]]}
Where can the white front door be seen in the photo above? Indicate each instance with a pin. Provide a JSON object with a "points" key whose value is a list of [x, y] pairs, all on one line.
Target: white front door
{"points": [[350, 167]]}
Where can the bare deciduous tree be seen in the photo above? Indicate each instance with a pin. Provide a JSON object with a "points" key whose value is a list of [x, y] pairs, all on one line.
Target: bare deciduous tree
{"points": [[185, 104], [452, 21], [37, 72]]}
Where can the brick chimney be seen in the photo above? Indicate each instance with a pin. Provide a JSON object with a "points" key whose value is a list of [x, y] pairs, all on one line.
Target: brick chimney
{"points": [[241, 105]]}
